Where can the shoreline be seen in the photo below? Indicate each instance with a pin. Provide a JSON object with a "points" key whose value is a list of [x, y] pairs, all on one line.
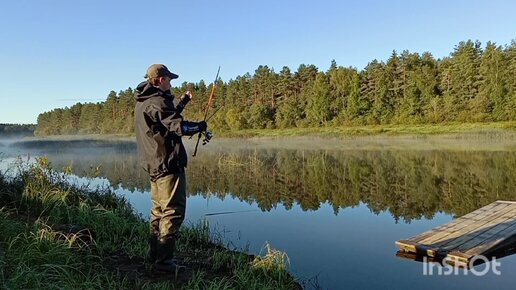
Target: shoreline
{"points": [[94, 238], [331, 132], [460, 137]]}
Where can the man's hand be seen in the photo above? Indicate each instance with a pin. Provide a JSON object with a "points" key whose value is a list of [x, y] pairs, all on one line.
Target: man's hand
{"points": [[203, 126], [189, 94], [191, 128], [184, 101]]}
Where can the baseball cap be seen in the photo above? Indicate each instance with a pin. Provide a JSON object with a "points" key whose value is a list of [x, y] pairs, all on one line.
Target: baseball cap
{"points": [[159, 70]]}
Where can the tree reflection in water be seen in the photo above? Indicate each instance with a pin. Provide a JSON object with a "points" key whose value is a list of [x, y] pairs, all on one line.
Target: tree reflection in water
{"points": [[408, 184]]}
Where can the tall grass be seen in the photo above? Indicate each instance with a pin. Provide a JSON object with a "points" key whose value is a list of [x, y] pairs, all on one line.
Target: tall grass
{"points": [[35, 255], [32, 257]]}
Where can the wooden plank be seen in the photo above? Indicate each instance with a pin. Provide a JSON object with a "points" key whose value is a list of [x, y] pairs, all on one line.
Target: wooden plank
{"points": [[456, 221], [416, 257], [427, 234], [483, 236], [406, 245], [468, 225], [463, 257], [481, 227], [491, 244], [458, 259], [413, 247], [476, 230], [505, 237], [480, 215]]}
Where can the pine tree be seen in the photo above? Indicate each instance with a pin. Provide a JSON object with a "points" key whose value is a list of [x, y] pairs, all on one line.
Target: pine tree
{"points": [[126, 111], [374, 87], [491, 100], [287, 111], [510, 109], [340, 81], [463, 79], [43, 124], [357, 105], [318, 109], [109, 113], [87, 122], [428, 84], [395, 77]]}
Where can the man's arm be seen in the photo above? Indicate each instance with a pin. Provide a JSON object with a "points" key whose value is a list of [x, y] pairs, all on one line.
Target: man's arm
{"points": [[168, 117], [183, 101], [174, 123], [191, 128]]}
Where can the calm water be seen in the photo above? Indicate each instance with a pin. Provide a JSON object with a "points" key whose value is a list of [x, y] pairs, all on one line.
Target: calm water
{"points": [[334, 206]]}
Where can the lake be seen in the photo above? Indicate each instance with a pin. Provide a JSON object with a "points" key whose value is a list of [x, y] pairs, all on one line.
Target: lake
{"points": [[335, 206]]}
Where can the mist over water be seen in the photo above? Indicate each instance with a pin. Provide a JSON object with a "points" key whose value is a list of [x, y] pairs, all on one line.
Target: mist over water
{"points": [[336, 206], [8, 141]]}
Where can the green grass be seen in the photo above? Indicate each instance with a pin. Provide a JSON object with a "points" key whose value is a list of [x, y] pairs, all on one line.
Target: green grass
{"points": [[338, 131], [33, 257], [34, 254], [326, 131]]}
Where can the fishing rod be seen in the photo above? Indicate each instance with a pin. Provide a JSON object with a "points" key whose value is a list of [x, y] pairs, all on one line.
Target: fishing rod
{"points": [[213, 114], [209, 134], [210, 100], [228, 212]]}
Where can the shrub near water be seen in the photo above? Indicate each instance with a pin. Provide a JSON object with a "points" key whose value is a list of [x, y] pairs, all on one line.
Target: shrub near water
{"points": [[47, 193], [32, 258], [35, 255]]}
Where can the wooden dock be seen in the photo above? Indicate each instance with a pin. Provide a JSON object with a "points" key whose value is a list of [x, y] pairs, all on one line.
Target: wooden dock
{"points": [[482, 232]]}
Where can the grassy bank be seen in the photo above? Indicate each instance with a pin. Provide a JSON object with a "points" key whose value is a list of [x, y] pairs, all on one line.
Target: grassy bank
{"points": [[345, 131], [57, 235], [330, 131]]}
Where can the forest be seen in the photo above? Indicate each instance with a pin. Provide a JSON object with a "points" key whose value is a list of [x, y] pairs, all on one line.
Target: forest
{"points": [[473, 84], [17, 130]]}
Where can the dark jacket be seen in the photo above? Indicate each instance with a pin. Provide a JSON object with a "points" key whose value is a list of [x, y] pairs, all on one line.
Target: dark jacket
{"points": [[158, 131]]}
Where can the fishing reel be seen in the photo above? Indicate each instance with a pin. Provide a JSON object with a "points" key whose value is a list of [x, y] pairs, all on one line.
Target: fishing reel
{"points": [[207, 137]]}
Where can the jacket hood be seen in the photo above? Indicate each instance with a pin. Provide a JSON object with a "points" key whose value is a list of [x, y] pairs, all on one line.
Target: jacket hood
{"points": [[145, 91]]}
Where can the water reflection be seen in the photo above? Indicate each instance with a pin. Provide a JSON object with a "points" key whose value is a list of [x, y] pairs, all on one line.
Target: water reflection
{"points": [[409, 184], [334, 209]]}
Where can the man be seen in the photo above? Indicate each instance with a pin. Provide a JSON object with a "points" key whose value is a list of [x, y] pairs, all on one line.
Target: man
{"points": [[159, 127]]}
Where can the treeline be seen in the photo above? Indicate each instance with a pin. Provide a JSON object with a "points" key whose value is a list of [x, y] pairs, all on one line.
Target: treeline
{"points": [[472, 84], [18, 130]]}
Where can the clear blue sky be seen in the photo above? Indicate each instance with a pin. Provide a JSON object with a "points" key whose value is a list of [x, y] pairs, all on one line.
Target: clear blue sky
{"points": [[54, 53]]}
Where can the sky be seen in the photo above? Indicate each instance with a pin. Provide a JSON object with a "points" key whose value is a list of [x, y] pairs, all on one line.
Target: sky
{"points": [[55, 53]]}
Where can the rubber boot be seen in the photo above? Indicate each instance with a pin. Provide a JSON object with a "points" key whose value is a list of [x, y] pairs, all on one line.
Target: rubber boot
{"points": [[153, 247], [165, 261]]}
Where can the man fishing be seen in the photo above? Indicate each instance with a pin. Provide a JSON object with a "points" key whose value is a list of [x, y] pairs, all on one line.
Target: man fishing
{"points": [[159, 127]]}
